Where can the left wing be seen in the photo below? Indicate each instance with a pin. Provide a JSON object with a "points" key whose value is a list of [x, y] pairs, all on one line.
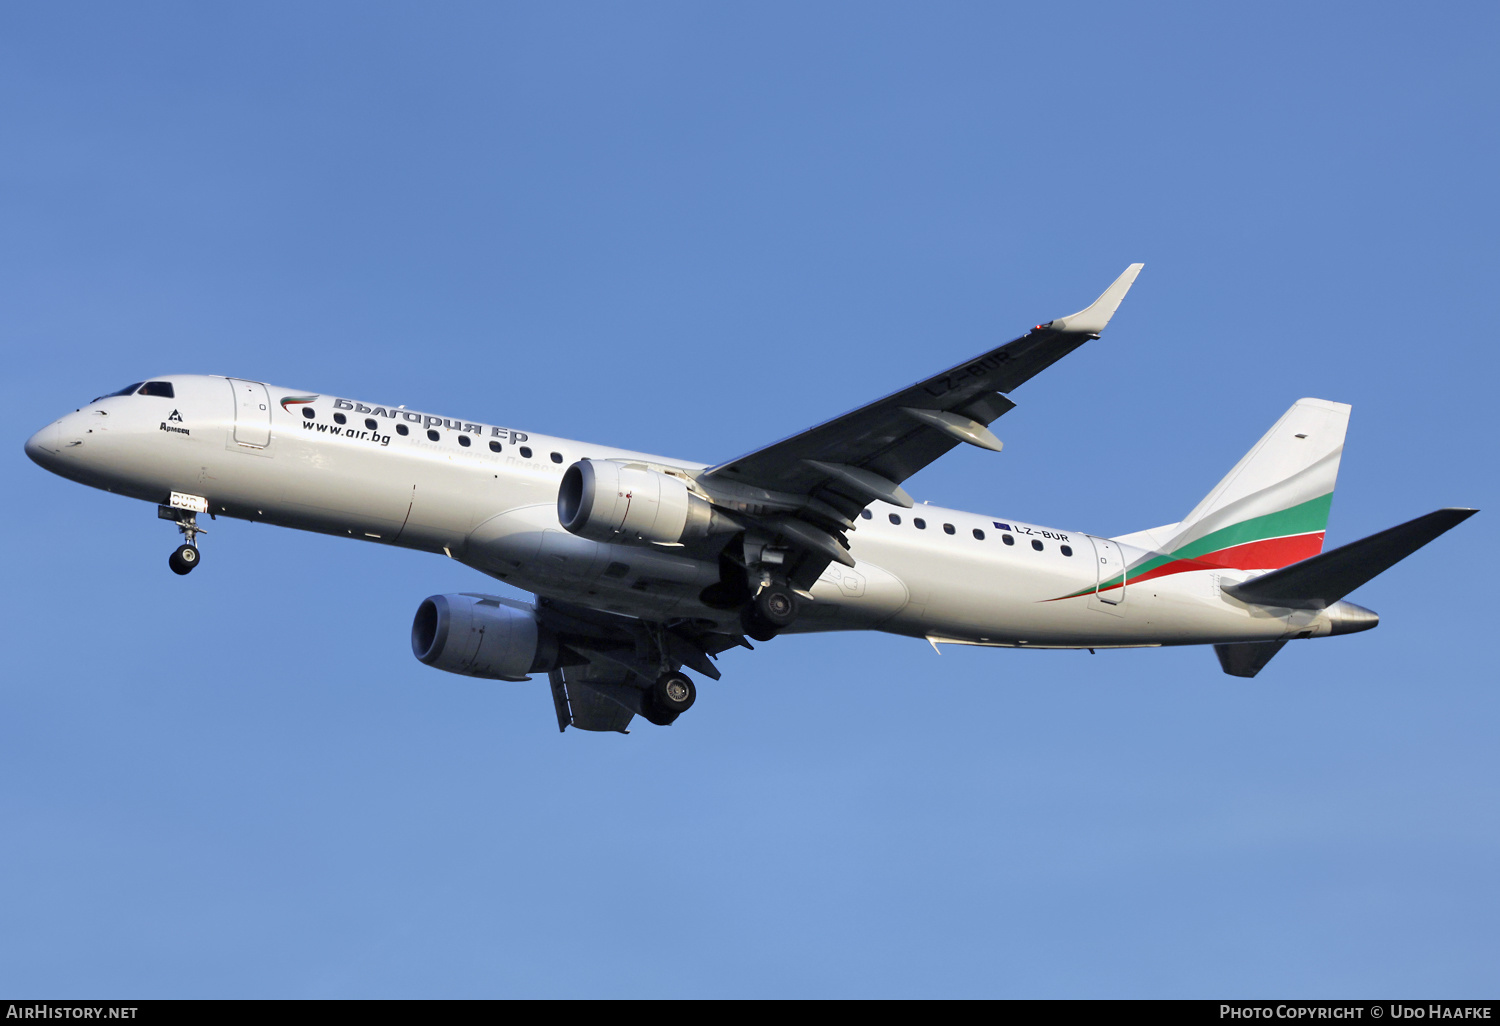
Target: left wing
{"points": [[864, 455], [805, 491]]}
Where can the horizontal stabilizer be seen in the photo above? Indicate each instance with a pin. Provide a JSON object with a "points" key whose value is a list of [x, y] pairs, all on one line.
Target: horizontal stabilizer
{"points": [[1246, 658], [1322, 580]]}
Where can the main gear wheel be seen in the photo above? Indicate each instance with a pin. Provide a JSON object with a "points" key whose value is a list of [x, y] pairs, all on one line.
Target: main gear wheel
{"points": [[771, 611], [672, 695]]}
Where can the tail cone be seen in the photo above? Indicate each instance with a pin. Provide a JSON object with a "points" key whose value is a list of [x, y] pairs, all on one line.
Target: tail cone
{"points": [[1349, 618]]}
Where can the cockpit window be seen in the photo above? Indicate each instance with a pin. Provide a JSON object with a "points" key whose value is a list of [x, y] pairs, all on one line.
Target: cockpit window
{"points": [[158, 388], [124, 391]]}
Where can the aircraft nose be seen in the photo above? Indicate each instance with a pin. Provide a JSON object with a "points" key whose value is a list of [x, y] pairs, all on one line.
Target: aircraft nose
{"points": [[46, 445]]}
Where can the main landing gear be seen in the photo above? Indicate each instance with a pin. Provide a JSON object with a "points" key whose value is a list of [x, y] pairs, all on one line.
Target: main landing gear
{"points": [[754, 578], [185, 556], [672, 695], [770, 612]]}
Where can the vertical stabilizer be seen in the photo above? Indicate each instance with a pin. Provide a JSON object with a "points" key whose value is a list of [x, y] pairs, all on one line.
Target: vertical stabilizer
{"points": [[1272, 508]]}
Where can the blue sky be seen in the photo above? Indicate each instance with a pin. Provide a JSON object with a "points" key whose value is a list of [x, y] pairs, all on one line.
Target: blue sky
{"points": [[692, 229]]}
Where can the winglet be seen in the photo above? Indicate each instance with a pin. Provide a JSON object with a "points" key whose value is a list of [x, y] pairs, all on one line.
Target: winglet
{"points": [[1092, 319]]}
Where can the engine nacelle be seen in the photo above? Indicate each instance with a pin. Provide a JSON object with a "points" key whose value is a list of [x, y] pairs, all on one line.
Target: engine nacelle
{"points": [[482, 637], [628, 502]]}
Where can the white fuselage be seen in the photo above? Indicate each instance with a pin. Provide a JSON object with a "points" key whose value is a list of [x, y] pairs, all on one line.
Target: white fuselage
{"points": [[253, 453]]}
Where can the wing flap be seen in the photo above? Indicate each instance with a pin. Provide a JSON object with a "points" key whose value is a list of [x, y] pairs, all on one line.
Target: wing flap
{"points": [[592, 704]]}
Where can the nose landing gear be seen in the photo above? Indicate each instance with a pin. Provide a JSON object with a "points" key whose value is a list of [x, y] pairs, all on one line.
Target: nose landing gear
{"points": [[185, 556], [183, 559]]}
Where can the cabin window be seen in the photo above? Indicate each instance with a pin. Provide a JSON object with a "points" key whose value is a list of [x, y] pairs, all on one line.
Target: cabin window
{"points": [[947, 528], [307, 411], [978, 534], [432, 436], [1036, 545], [526, 452], [867, 515], [919, 523], [895, 519], [370, 423], [162, 389], [494, 446], [1008, 539], [401, 429], [1066, 550], [339, 418], [463, 440], [557, 457]]}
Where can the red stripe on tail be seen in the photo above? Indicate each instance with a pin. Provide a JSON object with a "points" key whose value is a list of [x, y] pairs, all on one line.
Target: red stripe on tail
{"points": [[1270, 554]]}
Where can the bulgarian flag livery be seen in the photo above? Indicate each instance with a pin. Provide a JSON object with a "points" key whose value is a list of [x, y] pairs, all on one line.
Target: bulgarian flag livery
{"points": [[1271, 510]]}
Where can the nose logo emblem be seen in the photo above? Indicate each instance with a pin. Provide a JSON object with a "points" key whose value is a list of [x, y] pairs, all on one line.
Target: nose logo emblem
{"points": [[176, 416]]}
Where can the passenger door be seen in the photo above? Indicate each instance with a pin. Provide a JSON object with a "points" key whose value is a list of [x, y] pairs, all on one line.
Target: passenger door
{"points": [[252, 413], [1109, 587]]}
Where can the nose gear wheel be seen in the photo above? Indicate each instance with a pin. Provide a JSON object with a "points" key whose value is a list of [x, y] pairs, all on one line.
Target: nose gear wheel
{"points": [[183, 559]]}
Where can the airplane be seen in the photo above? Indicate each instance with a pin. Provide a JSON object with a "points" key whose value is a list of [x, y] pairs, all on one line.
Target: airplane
{"points": [[643, 565]]}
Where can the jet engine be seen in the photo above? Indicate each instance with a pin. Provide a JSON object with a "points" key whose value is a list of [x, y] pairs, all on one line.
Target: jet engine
{"points": [[480, 636], [608, 501]]}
